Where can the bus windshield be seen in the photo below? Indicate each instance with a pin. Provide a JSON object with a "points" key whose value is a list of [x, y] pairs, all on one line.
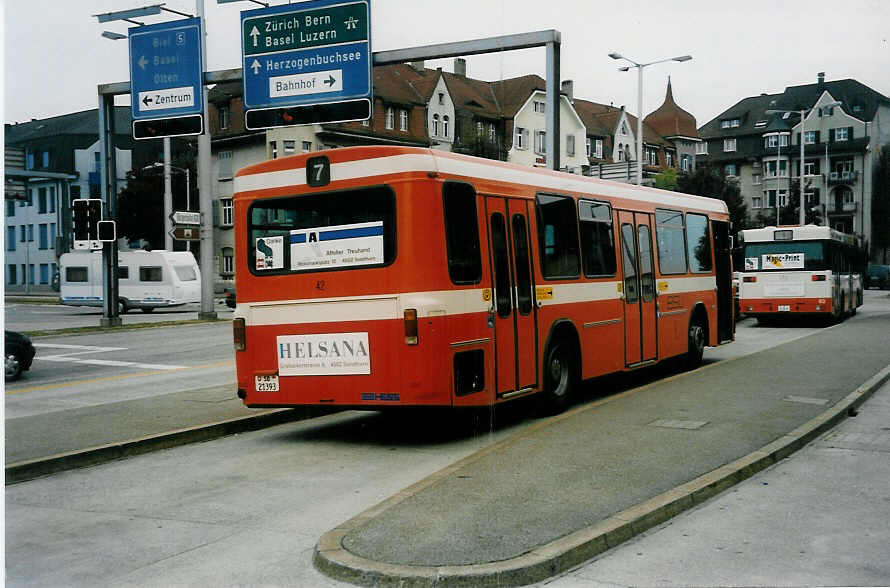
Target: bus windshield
{"points": [[335, 230], [785, 255]]}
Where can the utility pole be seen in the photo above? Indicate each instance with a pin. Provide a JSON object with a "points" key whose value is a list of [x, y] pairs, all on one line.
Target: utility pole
{"points": [[205, 201]]}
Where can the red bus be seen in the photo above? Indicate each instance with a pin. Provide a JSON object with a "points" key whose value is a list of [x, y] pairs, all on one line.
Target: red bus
{"points": [[380, 276]]}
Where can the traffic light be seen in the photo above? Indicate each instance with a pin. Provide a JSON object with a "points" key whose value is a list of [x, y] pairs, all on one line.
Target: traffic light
{"points": [[87, 214], [81, 226], [107, 231], [168, 127], [268, 118]]}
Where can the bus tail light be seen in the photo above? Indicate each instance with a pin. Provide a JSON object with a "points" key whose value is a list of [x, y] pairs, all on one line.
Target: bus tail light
{"points": [[818, 277], [239, 334], [749, 278], [410, 326]]}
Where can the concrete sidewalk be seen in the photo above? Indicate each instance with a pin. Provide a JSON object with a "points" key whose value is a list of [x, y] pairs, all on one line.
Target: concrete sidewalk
{"points": [[574, 486]]}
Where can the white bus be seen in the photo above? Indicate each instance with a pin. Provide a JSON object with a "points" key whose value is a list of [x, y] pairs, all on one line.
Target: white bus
{"points": [[146, 279], [796, 270]]}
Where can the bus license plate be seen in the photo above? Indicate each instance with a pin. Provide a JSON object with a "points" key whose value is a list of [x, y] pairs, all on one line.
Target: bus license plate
{"points": [[782, 308], [266, 383]]}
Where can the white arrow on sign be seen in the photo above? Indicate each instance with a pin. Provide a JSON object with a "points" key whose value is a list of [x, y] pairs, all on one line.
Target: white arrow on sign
{"points": [[142, 61], [255, 66], [254, 33]]}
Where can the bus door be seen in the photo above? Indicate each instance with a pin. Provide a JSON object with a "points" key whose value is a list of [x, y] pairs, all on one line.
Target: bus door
{"points": [[640, 334], [512, 312]]}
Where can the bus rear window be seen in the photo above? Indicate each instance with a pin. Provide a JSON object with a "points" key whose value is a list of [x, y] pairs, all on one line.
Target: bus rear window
{"points": [[335, 230], [785, 255]]}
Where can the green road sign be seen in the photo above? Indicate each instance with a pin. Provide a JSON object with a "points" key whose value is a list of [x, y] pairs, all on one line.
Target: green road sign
{"points": [[300, 29]]}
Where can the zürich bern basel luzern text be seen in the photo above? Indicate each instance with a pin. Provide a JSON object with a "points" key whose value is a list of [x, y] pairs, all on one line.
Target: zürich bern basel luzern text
{"points": [[294, 24]]}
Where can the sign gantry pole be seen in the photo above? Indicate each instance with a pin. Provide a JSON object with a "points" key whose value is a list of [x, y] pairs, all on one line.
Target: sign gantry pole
{"points": [[205, 198]]}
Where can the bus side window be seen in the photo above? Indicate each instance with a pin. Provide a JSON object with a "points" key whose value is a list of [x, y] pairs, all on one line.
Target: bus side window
{"points": [[558, 235], [462, 233], [698, 243], [671, 242], [597, 239]]}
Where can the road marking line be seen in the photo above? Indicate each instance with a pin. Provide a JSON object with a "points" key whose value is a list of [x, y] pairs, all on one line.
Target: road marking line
{"points": [[111, 378], [85, 348], [112, 363]]}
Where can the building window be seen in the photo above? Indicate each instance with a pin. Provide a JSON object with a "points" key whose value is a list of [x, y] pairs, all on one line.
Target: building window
{"points": [[225, 165], [669, 158], [224, 117], [620, 152], [30, 233], [784, 139], [10, 274], [756, 202], [729, 170], [701, 148], [41, 200], [771, 141], [44, 273], [539, 106], [686, 163], [541, 142], [570, 145], [598, 148], [228, 259], [624, 128], [290, 146], [756, 179], [10, 208], [435, 125], [441, 98], [43, 236], [10, 238], [588, 146], [492, 132], [307, 146], [445, 126], [760, 124], [403, 120], [45, 160], [390, 117], [810, 137], [731, 123], [521, 140], [273, 149], [366, 122], [842, 134], [651, 156], [783, 197], [23, 234], [770, 198], [228, 212], [479, 128], [771, 167], [809, 168]]}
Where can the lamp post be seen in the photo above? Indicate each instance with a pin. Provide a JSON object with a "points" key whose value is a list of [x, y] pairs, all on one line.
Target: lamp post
{"points": [[803, 120], [640, 67]]}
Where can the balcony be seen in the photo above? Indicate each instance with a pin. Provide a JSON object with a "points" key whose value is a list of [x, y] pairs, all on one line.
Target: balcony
{"points": [[842, 207], [847, 177]]}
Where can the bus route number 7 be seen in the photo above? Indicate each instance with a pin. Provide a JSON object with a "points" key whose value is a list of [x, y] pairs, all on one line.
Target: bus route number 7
{"points": [[318, 171]]}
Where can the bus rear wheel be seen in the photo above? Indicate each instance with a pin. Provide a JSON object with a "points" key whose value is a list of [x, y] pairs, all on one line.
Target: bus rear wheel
{"points": [[560, 376], [696, 345]]}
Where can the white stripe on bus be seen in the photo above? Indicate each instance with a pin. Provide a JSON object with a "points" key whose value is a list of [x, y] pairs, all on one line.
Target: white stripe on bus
{"points": [[432, 303], [429, 162]]}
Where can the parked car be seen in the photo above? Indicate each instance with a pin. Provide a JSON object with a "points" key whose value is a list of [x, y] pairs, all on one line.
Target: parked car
{"points": [[19, 354], [878, 276]]}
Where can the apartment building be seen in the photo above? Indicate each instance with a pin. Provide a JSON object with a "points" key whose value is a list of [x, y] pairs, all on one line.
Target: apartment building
{"points": [[50, 162], [757, 141]]}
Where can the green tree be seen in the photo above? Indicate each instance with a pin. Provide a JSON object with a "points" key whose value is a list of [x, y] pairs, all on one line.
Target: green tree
{"points": [[880, 205], [707, 181], [790, 213], [140, 206], [667, 179]]}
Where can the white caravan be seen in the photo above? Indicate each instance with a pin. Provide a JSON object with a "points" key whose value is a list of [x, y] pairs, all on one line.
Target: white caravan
{"points": [[146, 279]]}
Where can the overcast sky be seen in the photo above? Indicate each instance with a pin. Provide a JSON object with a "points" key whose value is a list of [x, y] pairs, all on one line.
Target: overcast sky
{"points": [[54, 56]]}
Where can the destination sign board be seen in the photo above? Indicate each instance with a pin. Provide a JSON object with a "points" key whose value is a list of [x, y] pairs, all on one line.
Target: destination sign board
{"points": [[166, 72], [316, 52]]}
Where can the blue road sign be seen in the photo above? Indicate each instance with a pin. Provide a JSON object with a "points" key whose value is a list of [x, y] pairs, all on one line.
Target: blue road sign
{"points": [[166, 70], [315, 54]]}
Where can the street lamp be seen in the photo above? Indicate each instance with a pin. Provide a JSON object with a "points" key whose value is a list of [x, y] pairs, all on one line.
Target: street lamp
{"points": [[640, 67], [803, 113]]}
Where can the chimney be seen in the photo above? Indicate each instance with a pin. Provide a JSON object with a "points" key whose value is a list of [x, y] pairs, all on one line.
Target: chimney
{"points": [[821, 78], [460, 67], [568, 88], [418, 66]]}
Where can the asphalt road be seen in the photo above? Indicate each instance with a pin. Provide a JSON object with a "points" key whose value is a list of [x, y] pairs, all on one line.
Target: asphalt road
{"points": [[247, 510]]}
